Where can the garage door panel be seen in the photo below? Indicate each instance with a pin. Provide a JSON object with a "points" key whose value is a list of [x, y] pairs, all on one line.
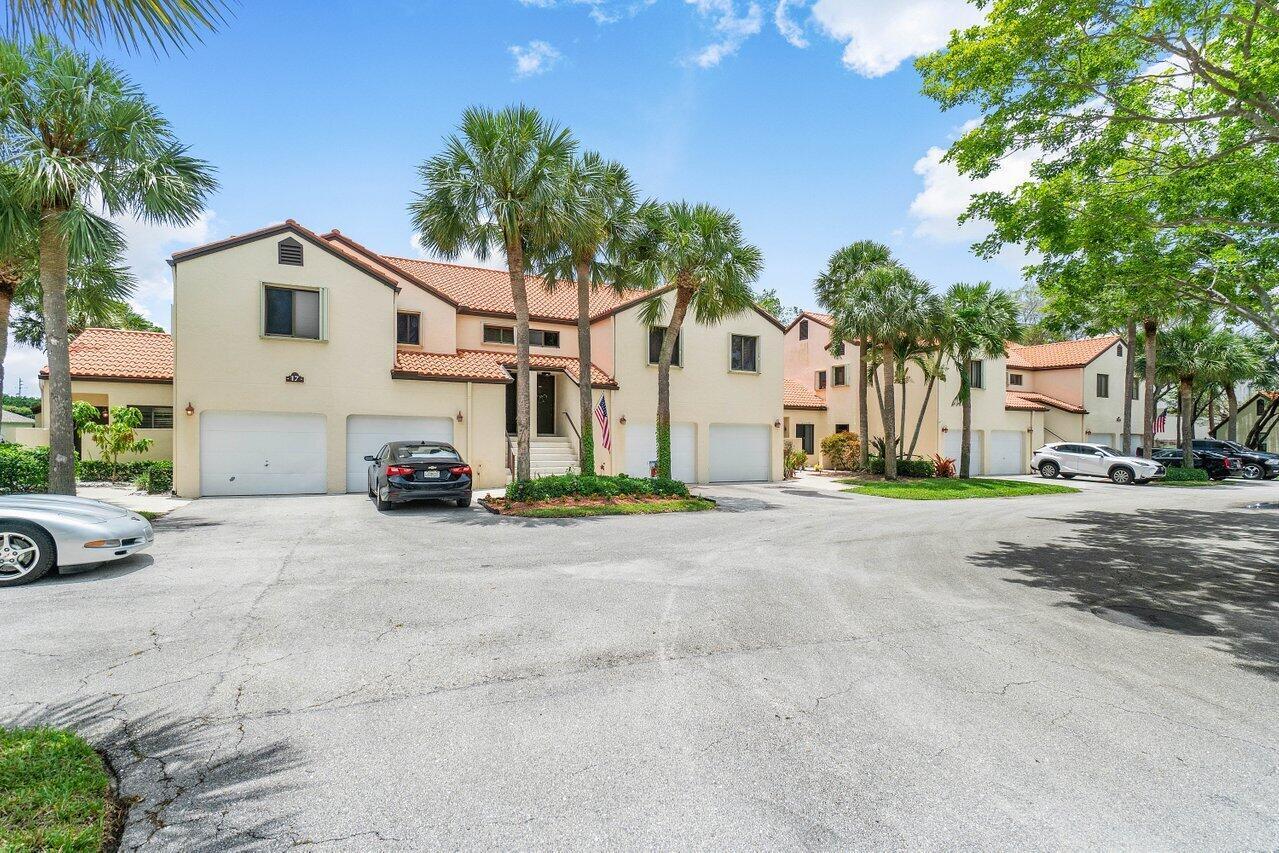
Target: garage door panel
{"points": [[641, 449], [365, 435], [262, 453], [740, 452], [954, 441], [1007, 452]]}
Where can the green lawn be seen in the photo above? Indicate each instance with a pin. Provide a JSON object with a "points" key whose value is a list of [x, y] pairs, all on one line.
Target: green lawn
{"points": [[1183, 483], [950, 489], [620, 507], [54, 793]]}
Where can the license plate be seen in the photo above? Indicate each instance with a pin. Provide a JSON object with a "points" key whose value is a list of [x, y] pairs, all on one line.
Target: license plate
{"points": [[429, 475]]}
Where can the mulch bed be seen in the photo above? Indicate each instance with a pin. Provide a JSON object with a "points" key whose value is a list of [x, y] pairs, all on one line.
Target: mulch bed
{"points": [[497, 506]]}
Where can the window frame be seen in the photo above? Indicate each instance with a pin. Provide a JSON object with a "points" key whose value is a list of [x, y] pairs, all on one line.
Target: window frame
{"points": [[840, 428], [484, 335], [417, 315], [323, 293], [754, 368], [838, 375], [677, 358], [807, 435], [977, 367], [148, 415], [1102, 386], [543, 333], [803, 330], [1017, 379], [819, 380]]}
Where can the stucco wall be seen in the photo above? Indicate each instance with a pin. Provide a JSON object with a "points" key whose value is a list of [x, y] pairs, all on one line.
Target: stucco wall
{"points": [[223, 363], [110, 394], [470, 335], [704, 391], [1105, 414]]}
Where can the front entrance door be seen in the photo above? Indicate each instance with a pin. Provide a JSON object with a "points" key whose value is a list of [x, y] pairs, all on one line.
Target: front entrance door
{"points": [[544, 405]]}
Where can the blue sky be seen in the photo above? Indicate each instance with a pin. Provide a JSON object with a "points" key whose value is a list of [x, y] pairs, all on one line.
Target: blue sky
{"points": [[802, 118]]}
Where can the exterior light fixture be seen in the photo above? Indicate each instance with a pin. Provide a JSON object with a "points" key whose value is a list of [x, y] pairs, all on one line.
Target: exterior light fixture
{"points": [[459, 415], [777, 424], [945, 429], [190, 409], [622, 419]]}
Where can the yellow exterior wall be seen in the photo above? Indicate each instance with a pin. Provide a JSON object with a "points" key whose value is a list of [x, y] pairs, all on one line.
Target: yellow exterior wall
{"points": [[110, 394], [470, 335]]}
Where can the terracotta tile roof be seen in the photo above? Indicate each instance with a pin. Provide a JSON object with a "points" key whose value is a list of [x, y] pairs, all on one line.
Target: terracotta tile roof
{"points": [[1060, 354], [484, 366], [1030, 401], [797, 395], [489, 291], [120, 354], [825, 319]]}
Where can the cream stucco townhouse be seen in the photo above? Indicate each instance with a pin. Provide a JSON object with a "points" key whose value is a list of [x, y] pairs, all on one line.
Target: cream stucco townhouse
{"points": [[1032, 395], [296, 354]]}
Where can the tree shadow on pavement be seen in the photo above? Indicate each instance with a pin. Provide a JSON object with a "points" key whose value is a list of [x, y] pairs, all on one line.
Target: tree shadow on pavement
{"points": [[1164, 565], [187, 784]]}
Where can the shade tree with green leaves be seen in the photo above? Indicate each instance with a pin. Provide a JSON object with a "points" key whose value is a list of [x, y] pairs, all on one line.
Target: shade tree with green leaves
{"points": [[80, 139]]}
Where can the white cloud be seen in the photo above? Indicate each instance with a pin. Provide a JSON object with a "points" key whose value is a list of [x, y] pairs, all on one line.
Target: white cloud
{"points": [[786, 25], [879, 35], [536, 57], [732, 28]]}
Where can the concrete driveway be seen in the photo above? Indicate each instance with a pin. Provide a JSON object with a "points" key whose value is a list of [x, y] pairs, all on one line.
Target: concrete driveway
{"points": [[800, 669]]}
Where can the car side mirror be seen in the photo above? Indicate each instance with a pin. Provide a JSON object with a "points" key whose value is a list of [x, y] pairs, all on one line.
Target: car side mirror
{"points": [[1098, 453], [370, 458]]}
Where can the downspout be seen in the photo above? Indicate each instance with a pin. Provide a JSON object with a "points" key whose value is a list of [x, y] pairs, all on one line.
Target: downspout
{"points": [[470, 398]]}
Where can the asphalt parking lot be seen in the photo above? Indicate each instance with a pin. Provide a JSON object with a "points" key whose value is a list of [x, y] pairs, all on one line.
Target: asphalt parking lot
{"points": [[802, 668]]}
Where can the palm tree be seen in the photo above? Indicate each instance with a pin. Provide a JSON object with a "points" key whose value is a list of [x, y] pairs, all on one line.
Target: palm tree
{"points": [[698, 251], [1235, 359], [77, 131], [1187, 352], [499, 186], [904, 308], [159, 24], [842, 291], [980, 321], [589, 256]]}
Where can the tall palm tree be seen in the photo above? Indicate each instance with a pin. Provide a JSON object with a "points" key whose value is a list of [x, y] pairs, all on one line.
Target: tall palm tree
{"points": [[157, 24], [498, 185], [698, 250], [77, 132], [842, 290], [1235, 359], [590, 257], [904, 309], [1187, 352], [980, 321]]}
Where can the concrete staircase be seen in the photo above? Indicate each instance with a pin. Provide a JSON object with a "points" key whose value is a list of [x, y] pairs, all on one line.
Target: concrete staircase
{"points": [[549, 454]]}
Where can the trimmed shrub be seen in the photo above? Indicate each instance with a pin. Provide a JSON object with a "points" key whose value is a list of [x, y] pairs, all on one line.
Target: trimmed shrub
{"points": [[157, 478], [1185, 475], [592, 486], [906, 467], [840, 451], [23, 469], [98, 471]]}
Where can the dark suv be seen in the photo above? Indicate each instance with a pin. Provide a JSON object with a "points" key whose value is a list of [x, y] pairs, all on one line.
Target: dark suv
{"points": [[418, 470], [1218, 466], [1256, 464]]}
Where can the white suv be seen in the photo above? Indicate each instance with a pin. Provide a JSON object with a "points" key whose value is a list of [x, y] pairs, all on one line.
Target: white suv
{"points": [[1068, 459]]}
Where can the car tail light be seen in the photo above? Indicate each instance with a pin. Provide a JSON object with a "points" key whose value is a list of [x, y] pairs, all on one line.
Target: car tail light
{"points": [[459, 470], [398, 471]]}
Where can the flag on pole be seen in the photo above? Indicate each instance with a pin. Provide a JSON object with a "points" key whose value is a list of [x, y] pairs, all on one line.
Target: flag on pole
{"points": [[601, 415], [1161, 422]]}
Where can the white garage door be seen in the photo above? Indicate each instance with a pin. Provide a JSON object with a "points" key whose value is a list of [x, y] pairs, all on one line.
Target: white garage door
{"points": [[951, 446], [261, 453], [1106, 438], [740, 452], [1007, 452], [365, 435], [641, 449]]}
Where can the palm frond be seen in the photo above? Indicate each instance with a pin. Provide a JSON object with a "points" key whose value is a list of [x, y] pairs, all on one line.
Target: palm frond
{"points": [[157, 25]]}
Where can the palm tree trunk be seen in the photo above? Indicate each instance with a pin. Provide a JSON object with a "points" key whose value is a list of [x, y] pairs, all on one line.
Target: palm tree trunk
{"points": [[1186, 419], [586, 452], [683, 295], [1151, 329], [53, 280], [966, 432], [863, 416], [1130, 375], [1232, 410], [8, 287], [901, 421], [923, 407], [890, 427], [519, 295]]}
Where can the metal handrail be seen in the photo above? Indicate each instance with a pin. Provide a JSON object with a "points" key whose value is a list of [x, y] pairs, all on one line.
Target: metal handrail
{"points": [[569, 418]]}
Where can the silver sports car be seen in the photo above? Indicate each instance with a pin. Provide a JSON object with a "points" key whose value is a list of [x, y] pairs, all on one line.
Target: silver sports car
{"points": [[38, 532]]}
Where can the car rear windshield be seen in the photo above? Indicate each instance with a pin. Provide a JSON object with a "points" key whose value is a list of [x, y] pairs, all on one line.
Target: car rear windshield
{"points": [[426, 453]]}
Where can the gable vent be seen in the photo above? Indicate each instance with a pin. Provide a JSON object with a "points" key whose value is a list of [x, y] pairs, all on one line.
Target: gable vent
{"points": [[290, 252]]}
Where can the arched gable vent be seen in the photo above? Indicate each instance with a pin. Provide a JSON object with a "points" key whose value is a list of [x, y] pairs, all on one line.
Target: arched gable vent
{"points": [[290, 252]]}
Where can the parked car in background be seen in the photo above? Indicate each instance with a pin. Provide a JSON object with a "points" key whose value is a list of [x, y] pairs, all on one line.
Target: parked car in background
{"points": [[1070, 459], [1217, 465], [1255, 464], [41, 532], [405, 471]]}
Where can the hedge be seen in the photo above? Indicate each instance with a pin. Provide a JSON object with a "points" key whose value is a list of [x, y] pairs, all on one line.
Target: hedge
{"points": [[1177, 474], [156, 479], [23, 469], [592, 486], [906, 467], [97, 471]]}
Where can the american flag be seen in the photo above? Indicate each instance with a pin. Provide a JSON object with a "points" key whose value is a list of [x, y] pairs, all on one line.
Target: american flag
{"points": [[1161, 422], [601, 415]]}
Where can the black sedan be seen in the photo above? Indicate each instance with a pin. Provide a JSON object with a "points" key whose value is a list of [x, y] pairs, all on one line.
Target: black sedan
{"points": [[1218, 466], [1257, 464], [404, 471]]}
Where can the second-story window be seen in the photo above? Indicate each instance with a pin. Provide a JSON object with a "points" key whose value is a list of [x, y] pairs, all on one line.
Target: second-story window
{"points": [[1015, 379], [499, 335], [803, 330], [1103, 384], [975, 374], [290, 312], [821, 379], [839, 375], [655, 336], [408, 328], [744, 352], [543, 338]]}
